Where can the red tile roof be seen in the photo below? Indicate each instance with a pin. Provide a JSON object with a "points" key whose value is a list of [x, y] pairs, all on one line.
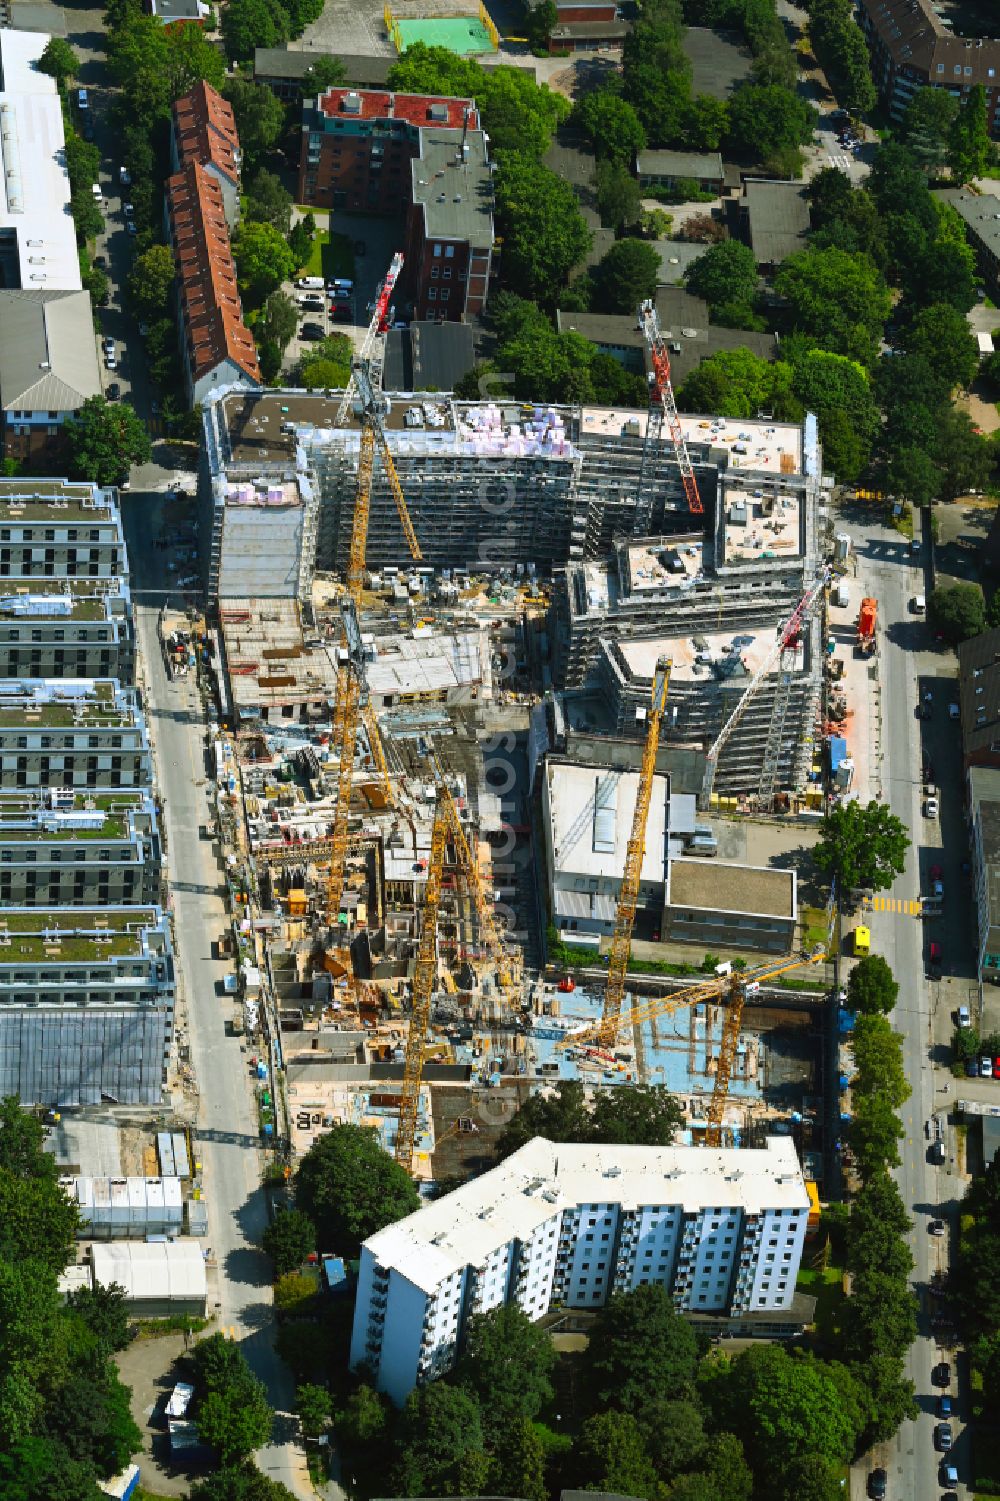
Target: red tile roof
{"points": [[418, 109], [205, 131], [211, 312]]}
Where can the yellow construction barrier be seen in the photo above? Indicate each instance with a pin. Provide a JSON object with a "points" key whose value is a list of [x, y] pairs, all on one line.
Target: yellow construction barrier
{"points": [[392, 27], [488, 25]]}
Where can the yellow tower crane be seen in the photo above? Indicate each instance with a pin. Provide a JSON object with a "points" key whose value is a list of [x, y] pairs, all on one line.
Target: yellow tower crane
{"points": [[424, 976], [351, 696], [621, 942], [738, 986]]}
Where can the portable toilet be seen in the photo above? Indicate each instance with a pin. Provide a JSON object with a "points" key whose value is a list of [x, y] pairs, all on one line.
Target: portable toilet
{"points": [[862, 940]]}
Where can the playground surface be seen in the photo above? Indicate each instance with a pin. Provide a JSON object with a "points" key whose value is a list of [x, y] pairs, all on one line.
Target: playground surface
{"points": [[465, 35]]}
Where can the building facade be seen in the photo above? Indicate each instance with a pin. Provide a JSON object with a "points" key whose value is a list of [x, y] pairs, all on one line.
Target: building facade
{"points": [[912, 48], [71, 733], [57, 851], [568, 1226], [57, 529], [66, 629], [984, 840]]}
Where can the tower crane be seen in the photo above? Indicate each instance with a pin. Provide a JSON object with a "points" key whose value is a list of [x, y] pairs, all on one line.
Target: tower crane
{"points": [[621, 942], [786, 636], [372, 344], [662, 406], [424, 975], [738, 986]]}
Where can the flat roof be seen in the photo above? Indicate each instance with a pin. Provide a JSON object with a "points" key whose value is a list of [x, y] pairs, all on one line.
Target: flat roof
{"points": [[778, 214], [167, 1269], [34, 195], [544, 1178], [83, 703], [430, 664], [57, 502], [726, 664], [771, 446], [652, 564], [57, 934], [720, 60], [763, 521], [591, 812], [451, 178], [711, 886], [679, 164]]}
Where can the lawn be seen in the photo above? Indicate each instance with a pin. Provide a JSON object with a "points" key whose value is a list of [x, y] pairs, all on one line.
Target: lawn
{"points": [[314, 265], [826, 1285], [338, 257]]}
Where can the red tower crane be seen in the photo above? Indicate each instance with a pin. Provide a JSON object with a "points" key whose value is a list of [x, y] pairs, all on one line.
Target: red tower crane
{"points": [[662, 405]]}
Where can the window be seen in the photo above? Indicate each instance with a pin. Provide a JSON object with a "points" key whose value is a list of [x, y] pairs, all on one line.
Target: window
{"points": [[445, 293], [449, 252], [432, 293], [435, 272], [437, 250], [940, 67]]}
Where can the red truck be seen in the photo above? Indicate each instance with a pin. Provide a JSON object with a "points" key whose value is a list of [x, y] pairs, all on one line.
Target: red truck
{"points": [[866, 626]]}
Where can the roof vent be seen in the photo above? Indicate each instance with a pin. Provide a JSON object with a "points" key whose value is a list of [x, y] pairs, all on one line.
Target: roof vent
{"points": [[438, 113], [351, 103]]}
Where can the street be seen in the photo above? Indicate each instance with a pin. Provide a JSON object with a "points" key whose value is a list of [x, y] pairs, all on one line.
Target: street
{"points": [[923, 1011], [227, 1139]]}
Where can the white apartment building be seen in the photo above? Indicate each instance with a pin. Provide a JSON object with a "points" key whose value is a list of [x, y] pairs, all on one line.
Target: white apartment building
{"points": [[561, 1225]]}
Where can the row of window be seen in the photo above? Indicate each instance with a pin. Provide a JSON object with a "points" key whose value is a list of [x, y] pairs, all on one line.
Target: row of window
{"points": [[73, 534], [50, 636]]}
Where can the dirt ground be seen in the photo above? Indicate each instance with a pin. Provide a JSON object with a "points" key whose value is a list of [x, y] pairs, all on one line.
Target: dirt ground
{"points": [[962, 529]]}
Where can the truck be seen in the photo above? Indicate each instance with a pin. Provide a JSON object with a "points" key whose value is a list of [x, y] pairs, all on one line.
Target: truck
{"points": [[867, 617]]}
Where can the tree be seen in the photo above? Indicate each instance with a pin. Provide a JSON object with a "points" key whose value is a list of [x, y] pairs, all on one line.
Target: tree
{"points": [[675, 1436], [268, 201], [890, 1395], [610, 1456], [619, 201], [940, 335], [259, 116], [104, 1311], [639, 1348], [506, 1364], [811, 1477], [151, 283], [957, 611], [765, 119], [326, 364], [911, 474], [839, 300], [872, 988], [739, 383], [643, 1115], [59, 61], [365, 1417], [439, 1433], [521, 1463], [248, 24], [279, 319], [93, 1419], [880, 1316], [236, 1420], [350, 1188], [878, 1059], [541, 19], [874, 1134], [559, 1115], [519, 114], [626, 275], [288, 1240], [927, 123], [843, 52], [965, 458], [969, 148], [263, 261], [313, 1405], [243, 1484], [102, 439], [862, 845], [702, 229], [22, 1139], [39, 1469], [611, 125], [706, 123], [782, 1406], [544, 232], [725, 274], [87, 217], [839, 391], [325, 73], [191, 58]]}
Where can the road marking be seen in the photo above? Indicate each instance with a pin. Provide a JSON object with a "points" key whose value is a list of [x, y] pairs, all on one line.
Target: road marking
{"points": [[896, 904]]}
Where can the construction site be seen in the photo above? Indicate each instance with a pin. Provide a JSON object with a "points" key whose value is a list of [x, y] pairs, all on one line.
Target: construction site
{"points": [[483, 672]]}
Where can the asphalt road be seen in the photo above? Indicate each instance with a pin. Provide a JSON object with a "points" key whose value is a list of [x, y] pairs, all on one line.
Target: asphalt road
{"points": [[227, 1133], [906, 659]]}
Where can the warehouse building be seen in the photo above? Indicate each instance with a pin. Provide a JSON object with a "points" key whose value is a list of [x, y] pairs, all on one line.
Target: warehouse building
{"points": [[569, 1226], [160, 1281]]}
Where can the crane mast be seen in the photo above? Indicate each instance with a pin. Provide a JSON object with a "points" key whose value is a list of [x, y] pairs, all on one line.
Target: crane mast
{"points": [[621, 942], [373, 343], [786, 634], [663, 407], [424, 975]]}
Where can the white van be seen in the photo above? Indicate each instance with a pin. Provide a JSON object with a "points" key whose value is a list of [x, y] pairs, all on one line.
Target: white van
{"points": [[310, 283], [918, 604]]}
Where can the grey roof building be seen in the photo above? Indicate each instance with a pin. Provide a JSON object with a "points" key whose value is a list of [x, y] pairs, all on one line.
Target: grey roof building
{"points": [[720, 61], [981, 217], [428, 356], [48, 355], [775, 218], [666, 167], [283, 69], [979, 698], [984, 838]]}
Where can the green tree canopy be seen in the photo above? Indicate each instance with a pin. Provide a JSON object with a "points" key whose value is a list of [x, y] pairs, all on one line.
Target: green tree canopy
{"points": [[519, 114], [248, 24], [263, 261], [927, 122], [40, 1469], [268, 201], [103, 439], [103, 1310], [314, 1406], [610, 1456], [545, 235], [645, 1114], [965, 457], [619, 201], [839, 300], [783, 1406], [240, 1483], [862, 845], [957, 611], [59, 61], [675, 1436], [874, 1133], [350, 1188], [871, 987], [840, 392], [151, 283], [843, 53], [611, 125], [288, 1240], [878, 1060], [626, 275], [739, 383], [506, 1363], [439, 1442], [325, 73], [940, 335], [259, 116], [640, 1347], [725, 273], [969, 148], [768, 119], [236, 1420]]}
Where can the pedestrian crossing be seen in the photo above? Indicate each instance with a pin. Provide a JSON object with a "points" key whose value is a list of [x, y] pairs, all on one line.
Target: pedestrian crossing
{"points": [[894, 904], [839, 159]]}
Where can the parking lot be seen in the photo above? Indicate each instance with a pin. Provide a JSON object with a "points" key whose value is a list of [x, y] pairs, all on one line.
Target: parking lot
{"points": [[373, 242]]}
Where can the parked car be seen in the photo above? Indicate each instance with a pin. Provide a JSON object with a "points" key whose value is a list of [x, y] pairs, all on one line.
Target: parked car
{"points": [[110, 360], [930, 807], [941, 1374], [877, 1485], [125, 177], [942, 1437], [971, 1068], [108, 344], [944, 1406], [986, 1067], [936, 1227], [312, 332], [954, 712], [100, 263], [82, 102], [87, 128], [95, 188], [130, 227], [963, 1016], [948, 1475], [113, 391]]}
